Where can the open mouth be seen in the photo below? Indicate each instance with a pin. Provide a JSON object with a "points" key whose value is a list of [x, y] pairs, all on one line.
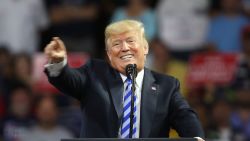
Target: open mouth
{"points": [[127, 57]]}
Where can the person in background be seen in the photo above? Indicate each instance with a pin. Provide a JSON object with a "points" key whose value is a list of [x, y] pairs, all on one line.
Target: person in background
{"points": [[19, 119], [182, 26], [5, 69], [22, 68], [16, 69], [4, 58], [159, 56], [138, 10], [21, 23], [246, 7], [47, 128], [220, 126], [224, 32], [70, 117], [242, 76], [240, 117], [162, 61]]}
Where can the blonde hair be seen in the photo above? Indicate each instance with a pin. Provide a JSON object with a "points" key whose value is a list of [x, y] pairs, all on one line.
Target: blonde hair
{"points": [[122, 27]]}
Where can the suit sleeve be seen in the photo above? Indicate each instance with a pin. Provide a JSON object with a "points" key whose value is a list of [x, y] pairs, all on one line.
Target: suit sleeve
{"points": [[70, 81], [183, 119]]}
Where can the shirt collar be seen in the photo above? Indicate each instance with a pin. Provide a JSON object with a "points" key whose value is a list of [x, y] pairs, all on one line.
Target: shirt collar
{"points": [[139, 78]]}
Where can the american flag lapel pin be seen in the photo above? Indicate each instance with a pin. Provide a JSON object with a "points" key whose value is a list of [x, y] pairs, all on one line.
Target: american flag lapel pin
{"points": [[153, 88]]}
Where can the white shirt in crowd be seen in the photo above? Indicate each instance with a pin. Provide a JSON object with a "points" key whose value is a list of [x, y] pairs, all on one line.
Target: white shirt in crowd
{"points": [[55, 134], [183, 23], [20, 23]]}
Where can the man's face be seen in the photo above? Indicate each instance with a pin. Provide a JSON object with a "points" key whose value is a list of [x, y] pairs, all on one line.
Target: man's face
{"points": [[127, 48]]}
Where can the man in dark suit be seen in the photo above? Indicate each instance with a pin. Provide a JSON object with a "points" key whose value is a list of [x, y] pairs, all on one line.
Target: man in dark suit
{"points": [[105, 91]]}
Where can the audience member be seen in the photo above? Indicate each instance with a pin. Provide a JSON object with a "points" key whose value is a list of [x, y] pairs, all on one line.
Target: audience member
{"points": [[5, 58], [242, 77], [70, 116], [182, 25], [159, 56], [22, 68], [19, 119], [220, 126], [240, 119], [246, 7], [21, 22], [161, 60], [47, 128], [225, 29]]}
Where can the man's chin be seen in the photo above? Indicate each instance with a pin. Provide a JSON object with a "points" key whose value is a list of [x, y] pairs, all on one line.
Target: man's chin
{"points": [[125, 63], [121, 66]]}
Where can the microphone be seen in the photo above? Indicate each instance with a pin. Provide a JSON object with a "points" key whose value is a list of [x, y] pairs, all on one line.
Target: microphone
{"points": [[131, 72]]}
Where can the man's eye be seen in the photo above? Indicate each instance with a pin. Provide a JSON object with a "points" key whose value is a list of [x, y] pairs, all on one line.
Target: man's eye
{"points": [[131, 41], [116, 44]]}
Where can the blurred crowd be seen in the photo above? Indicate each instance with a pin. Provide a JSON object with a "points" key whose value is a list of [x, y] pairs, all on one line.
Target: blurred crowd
{"points": [[175, 30]]}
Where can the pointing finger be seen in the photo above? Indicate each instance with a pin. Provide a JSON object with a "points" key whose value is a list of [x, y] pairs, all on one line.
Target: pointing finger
{"points": [[59, 43]]}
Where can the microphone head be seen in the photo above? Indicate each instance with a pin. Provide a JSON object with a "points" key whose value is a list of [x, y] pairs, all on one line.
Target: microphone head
{"points": [[131, 69]]}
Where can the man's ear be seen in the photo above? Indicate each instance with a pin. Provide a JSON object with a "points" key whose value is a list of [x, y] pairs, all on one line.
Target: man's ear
{"points": [[145, 50], [146, 47], [108, 54]]}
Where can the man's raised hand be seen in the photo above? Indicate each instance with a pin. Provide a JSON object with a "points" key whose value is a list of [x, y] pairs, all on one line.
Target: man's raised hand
{"points": [[55, 50]]}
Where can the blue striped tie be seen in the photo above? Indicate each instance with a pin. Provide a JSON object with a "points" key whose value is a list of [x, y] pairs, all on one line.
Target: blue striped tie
{"points": [[126, 111]]}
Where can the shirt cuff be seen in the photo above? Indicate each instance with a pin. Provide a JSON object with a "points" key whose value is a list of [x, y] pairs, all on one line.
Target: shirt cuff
{"points": [[199, 138], [56, 68]]}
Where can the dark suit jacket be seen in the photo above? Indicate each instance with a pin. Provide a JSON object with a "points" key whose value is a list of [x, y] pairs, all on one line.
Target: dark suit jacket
{"points": [[100, 90]]}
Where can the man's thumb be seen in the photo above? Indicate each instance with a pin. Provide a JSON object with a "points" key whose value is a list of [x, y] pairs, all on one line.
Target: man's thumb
{"points": [[59, 43]]}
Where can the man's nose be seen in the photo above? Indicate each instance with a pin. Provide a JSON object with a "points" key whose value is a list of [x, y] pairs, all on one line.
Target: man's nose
{"points": [[125, 46]]}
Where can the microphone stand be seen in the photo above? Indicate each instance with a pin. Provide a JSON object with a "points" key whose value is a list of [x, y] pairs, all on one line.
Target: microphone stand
{"points": [[133, 76]]}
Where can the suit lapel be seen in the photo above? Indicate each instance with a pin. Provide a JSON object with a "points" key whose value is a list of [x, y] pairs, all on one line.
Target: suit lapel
{"points": [[115, 85], [148, 103]]}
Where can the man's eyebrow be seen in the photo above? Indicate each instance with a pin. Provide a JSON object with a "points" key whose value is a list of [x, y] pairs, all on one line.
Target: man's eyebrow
{"points": [[116, 40], [132, 37]]}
